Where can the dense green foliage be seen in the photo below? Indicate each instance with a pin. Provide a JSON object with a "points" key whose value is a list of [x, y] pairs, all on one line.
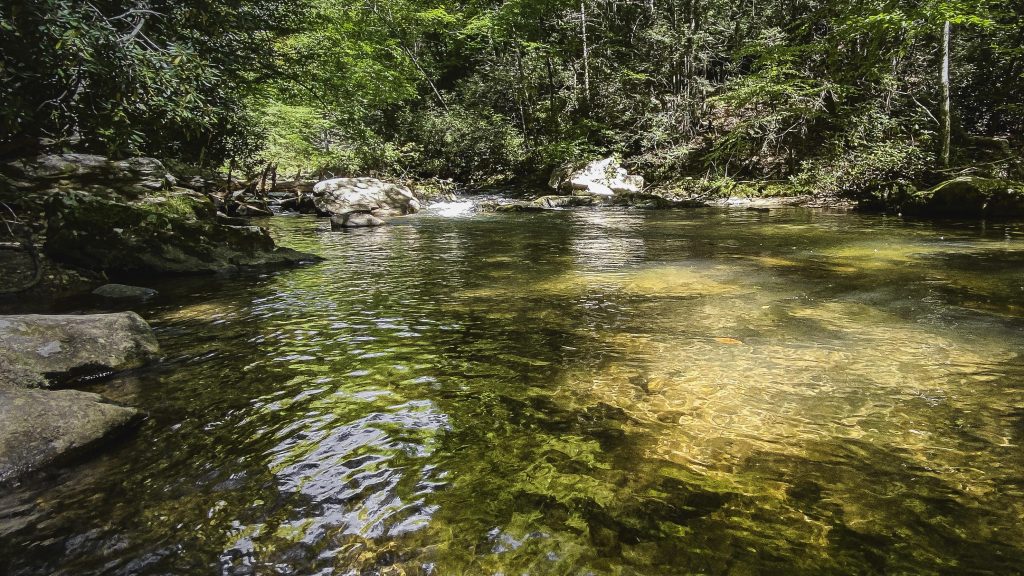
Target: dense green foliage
{"points": [[122, 77], [839, 93]]}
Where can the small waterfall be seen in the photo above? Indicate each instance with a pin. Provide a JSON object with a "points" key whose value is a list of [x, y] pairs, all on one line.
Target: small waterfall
{"points": [[454, 209]]}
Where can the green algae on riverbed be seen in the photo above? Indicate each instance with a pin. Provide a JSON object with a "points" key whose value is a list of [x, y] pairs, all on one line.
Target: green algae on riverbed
{"points": [[593, 391]]}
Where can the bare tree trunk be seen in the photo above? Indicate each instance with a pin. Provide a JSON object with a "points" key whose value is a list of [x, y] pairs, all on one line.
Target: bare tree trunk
{"points": [[586, 51], [945, 121], [437, 93], [522, 94]]}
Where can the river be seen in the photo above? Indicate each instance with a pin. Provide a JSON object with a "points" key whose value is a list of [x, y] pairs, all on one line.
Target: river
{"points": [[595, 391]]}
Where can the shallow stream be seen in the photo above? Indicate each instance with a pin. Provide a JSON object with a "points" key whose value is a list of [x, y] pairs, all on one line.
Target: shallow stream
{"points": [[594, 391]]}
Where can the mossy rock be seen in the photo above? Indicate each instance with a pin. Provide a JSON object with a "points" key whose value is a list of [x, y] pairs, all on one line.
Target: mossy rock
{"points": [[653, 201], [565, 201], [517, 207], [48, 351], [40, 427], [176, 234], [968, 196]]}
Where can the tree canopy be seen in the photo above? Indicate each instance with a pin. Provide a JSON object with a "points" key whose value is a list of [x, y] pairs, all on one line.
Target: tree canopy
{"points": [[479, 90]]}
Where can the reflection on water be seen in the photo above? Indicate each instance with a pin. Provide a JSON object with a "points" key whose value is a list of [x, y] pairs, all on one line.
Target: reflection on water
{"points": [[579, 392]]}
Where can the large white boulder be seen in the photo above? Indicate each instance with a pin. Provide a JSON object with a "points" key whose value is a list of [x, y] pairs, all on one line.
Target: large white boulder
{"points": [[346, 195], [604, 177]]}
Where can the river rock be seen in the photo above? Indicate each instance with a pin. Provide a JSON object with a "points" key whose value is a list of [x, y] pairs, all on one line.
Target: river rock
{"points": [[515, 207], [171, 234], [356, 220], [39, 426], [124, 292], [603, 178], [252, 210], [48, 351], [303, 204], [131, 177], [223, 218], [565, 201], [295, 186], [344, 195], [968, 196]]}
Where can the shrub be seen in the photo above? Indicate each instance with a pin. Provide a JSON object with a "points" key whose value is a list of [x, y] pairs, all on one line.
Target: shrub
{"points": [[862, 171]]}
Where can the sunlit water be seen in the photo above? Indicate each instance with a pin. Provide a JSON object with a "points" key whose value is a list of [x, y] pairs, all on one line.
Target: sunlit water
{"points": [[575, 392]]}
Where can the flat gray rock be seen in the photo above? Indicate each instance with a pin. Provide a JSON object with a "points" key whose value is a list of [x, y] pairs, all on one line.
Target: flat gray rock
{"points": [[39, 351], [39, 426], [124, 292]]}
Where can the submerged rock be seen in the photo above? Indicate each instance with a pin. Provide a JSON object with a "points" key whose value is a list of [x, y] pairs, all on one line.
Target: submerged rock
{"points": [[177, 233], [356, 220], [343, 195], [39, 426], [124, 292], [604, 178], [47, 351]]}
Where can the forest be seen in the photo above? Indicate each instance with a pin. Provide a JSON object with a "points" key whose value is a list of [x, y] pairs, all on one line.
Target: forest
{"points": [[836, 97], [486, 287]]}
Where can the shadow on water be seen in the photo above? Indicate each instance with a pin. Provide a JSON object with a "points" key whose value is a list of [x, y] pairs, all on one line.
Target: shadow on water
{"points": [[593, 391]]}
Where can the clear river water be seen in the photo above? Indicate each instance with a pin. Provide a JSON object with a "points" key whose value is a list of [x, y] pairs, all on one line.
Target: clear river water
{"points": [[595, 391]]}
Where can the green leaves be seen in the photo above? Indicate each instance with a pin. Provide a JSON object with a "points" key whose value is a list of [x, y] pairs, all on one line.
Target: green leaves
{"points": [[481, 89]]}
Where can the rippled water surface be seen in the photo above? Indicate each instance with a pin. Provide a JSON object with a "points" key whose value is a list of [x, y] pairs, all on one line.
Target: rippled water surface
{"points": [[577, 392]]}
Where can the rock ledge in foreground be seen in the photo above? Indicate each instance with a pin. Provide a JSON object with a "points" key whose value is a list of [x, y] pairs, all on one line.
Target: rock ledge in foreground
{"points": [[39, 426]]}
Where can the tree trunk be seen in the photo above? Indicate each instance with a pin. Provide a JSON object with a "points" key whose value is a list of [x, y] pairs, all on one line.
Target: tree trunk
{"points": [[945, 121], [586, 52], [262, 190]]}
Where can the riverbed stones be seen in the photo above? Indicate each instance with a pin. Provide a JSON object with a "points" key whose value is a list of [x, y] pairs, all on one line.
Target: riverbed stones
{"points": [[356, 220], [601, 178], [41, 351], [124, 292], [344, 195], [37, 427]]}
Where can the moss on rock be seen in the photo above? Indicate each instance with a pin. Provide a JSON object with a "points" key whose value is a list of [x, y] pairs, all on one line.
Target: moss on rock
{"points": [[967, 196], [38, 427], [177, 233], [44, 351]]}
